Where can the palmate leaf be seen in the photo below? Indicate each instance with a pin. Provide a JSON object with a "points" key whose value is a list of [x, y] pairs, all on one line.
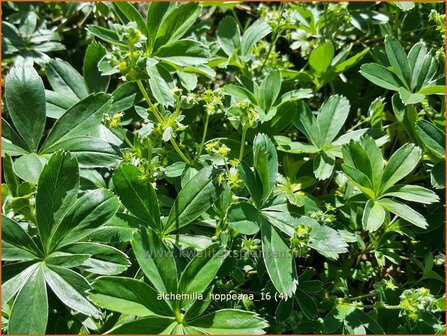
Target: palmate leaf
{"points": [[183, 53], [29, 313], [265, 163], [79, 120], [194, 199], [201, 270], [177, 23], [228, 35], [69, 287], [57, 191], [25, 98], [156, 260], [66, 80], [137, 196], [278, 259], [128, 296], [229, 321]]}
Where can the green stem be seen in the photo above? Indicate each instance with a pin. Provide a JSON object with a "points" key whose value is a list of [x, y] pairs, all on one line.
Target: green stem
{"points": [[161, 120], [179, 152], [364, 296], [241, 152], [205, 130], [275, 39], [126, 139], [152, 107]]}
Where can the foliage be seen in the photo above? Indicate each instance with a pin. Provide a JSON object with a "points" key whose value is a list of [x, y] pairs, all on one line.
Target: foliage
{"points": [[223, 168]]}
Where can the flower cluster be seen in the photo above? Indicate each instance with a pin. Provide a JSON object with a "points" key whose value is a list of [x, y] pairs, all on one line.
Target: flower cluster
{"points": [[413, 302], [130, 60], [213, 100], [325, 217], [299, 241], [113, 121]]}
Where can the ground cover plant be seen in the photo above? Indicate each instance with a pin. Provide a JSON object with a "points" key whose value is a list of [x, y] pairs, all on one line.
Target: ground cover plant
{"points": [[223, 168]]}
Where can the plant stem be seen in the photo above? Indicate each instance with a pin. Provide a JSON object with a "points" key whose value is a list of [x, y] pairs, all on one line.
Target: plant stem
{"points": [[205, 130], [275, 39], [161, 120], [241, 152], [364, 296], [126, 139], [152, 107], [179, 151]]}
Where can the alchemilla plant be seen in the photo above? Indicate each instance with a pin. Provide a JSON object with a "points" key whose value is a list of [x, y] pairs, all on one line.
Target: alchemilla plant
{"points": [[223, 168]]}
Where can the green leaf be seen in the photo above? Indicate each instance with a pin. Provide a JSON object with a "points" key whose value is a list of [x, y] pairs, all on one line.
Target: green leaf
{"points": [[331, 117], [307, 304], [278, 259], [269, 90], [131, 14], [323, 165], [405, 212], [432, 137], [103, 259], [230, 321], [433, 90], [409, 98], [194, 199], [265, 162], [25, 98], [161, 83], [183, 53], [437, 175], [138, 196], [380, 76], [127, 296], [416, 58], [324, 239], [69, 295], [93, 78], [156, 14], [29, 166], [66, 259], [400, 164], [356, 157], [14, 234], [228, 35], [10, 178], [240, 93], [152, 325], [398, 60], [57, 190], [29, 313], [359, 179], [373, 216], [13, 285], [177, 23], [90, 211], [350, 62], [11, 141], [65, 79], [256, 32], [201, 270], [156, 260], [412, 193], [242, 217], [251, 181], [107, 35], [321, 57], [307, 124], [90, 152], [187, 79], [79, 120]]}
